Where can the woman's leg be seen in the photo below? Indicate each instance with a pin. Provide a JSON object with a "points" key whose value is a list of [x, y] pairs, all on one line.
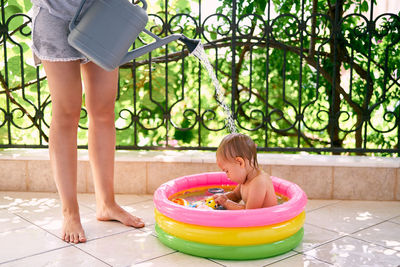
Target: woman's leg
{"points": [[100, 93], [65, 84]]}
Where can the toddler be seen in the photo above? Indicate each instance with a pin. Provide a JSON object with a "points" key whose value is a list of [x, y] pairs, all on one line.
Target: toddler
{"points": [[237, 157]]}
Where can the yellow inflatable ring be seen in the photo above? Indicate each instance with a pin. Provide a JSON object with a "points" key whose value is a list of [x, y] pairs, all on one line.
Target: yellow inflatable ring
{"points": [[230, 252], [232, 236]]}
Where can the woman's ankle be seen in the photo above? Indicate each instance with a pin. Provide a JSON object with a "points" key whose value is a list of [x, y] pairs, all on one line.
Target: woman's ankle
{"points": [[71, 211]]}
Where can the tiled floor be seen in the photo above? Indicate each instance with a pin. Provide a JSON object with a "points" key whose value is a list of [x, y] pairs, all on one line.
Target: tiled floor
{"points": [[337, 233]]}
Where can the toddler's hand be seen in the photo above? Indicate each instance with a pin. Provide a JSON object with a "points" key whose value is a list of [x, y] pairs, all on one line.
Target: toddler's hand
{"points": [[220, 199]]}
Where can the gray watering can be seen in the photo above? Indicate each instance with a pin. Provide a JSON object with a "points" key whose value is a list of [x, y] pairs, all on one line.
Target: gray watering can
{"points": [[108, 28]]}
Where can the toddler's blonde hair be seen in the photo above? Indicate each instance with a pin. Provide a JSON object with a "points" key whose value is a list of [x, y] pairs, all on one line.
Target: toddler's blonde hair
{"points": [[238, 145]]}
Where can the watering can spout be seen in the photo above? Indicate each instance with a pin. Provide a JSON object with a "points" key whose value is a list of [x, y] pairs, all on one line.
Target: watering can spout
{"points": [[191, 44]]}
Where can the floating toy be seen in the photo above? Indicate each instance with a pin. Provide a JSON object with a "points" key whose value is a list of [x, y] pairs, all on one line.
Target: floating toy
{"points": [[215, 190], [229, 234], [211, 203], [181, 201], [207, 203]]}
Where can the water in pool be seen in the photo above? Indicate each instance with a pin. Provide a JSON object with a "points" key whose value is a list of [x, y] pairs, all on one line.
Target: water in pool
{"points": [[194, 196]]}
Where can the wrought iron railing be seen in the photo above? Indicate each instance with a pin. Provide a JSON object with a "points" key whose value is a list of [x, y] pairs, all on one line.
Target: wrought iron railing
{"points": [[314, 77]]}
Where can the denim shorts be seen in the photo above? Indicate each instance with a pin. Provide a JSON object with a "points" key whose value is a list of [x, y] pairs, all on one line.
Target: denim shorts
{"points": [[49, 38]]}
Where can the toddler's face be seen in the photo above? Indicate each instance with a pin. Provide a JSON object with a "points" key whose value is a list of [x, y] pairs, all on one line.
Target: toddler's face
{"points": [[234, 169]]}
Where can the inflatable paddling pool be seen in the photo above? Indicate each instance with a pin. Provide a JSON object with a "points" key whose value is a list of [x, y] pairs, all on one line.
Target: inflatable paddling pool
{"points": [[229, 234]]}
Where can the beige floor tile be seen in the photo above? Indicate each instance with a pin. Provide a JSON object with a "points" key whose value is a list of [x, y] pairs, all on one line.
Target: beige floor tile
{"points": [[159, 173], [373, 244], [343, 217], [126, 249], [89, 200], [266, 168], [9, 221], [252, 263], [130, 177], [149, 228], [386, 234], [316, 181], [364, 183], [40, 176], [64, 257], [313, 204], [148, 197], [35, 205], [82, 186], [93, 228], [315, 236], [380, 209], [25, 153], [13, 175], [348, 251], [397, 189], [7, 197], [14, 199], [396, 219], [25, 242], [144, 210], [43, 211], [178, 259], [300, 260]]}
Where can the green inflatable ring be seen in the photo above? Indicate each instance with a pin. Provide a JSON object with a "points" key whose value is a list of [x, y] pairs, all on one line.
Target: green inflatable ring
{"points": [[230, 252]]}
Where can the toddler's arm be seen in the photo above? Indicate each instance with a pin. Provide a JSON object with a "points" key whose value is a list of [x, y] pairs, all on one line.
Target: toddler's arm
{"points": [[227, 203], [234, 195], [228, 200]]}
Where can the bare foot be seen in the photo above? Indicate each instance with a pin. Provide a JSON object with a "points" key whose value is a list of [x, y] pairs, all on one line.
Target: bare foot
{"points": [[72, 229], [115, 212]]}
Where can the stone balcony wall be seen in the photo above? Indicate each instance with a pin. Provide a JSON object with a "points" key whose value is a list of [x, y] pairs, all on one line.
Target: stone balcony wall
{"points": [[141, 172]]}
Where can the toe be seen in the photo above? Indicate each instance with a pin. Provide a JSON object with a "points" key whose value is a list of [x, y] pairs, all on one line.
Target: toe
{"points": [[82, 238], [66, 239], [138, 223], [76, 238], [63, 236]]}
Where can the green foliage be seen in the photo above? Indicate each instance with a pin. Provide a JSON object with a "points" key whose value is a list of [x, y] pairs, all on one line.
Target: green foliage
{"points": [[375, 97]]}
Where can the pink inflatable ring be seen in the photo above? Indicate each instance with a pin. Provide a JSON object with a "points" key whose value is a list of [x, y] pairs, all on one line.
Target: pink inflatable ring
{"points": [[228, 218]]}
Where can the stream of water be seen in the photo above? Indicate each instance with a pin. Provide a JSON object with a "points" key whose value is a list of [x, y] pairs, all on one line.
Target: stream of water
{"points": [[202, 57]]}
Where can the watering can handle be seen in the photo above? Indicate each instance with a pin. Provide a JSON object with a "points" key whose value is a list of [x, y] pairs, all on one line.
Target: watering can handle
{"points": [[73, 22], [144, 4]]}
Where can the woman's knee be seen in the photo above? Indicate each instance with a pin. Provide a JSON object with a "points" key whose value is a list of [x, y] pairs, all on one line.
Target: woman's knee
{"points": [[103, 118], [66, 117], [99, 112]]}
